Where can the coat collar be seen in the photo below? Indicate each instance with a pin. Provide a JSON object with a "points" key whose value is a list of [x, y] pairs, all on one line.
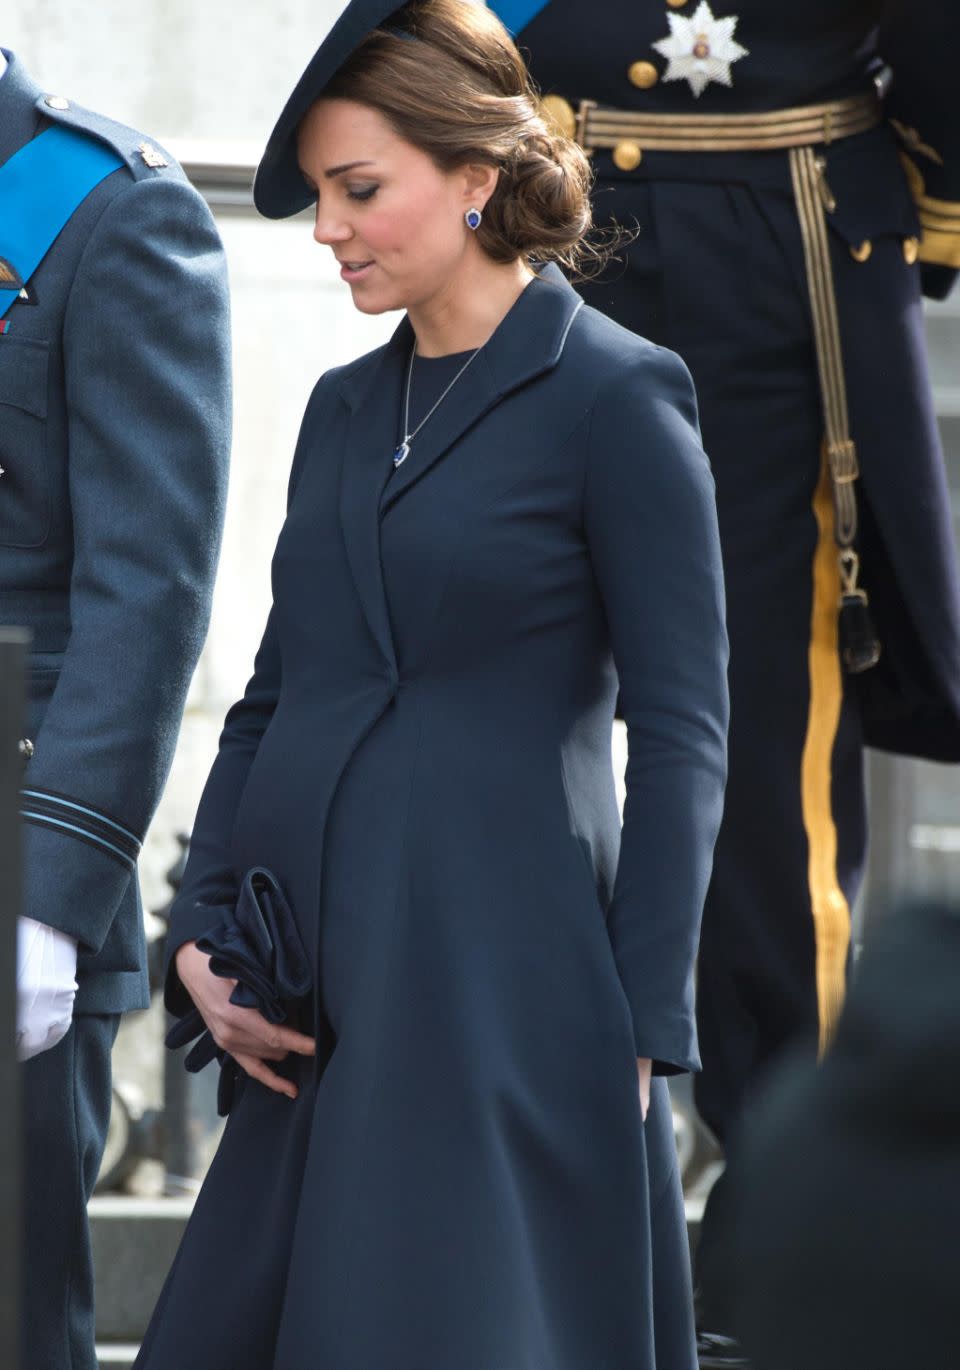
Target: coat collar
{"points": [[19, 116], [528, 342]]}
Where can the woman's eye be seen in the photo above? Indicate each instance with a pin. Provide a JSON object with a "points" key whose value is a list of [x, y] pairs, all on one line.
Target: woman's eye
{"points": [[366, 194]]}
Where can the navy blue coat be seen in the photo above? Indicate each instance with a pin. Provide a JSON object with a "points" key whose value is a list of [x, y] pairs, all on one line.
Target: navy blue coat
{"points": [[422, 757], [114, 439]]}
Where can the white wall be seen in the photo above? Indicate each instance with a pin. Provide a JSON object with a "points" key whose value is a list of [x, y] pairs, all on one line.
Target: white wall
{"points": [[173, 68]]}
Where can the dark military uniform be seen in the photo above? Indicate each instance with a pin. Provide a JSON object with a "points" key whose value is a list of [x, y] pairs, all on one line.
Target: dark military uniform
{"points": [[788, 221], [114, 438]]}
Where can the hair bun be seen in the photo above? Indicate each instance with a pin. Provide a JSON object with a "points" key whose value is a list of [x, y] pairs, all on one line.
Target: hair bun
{"points": [[541, 207]]}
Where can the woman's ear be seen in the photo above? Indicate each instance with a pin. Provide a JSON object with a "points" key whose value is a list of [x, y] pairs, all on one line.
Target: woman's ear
{"points": [[479, 183]]}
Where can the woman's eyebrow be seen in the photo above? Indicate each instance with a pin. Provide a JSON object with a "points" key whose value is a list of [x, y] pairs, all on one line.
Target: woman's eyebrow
{"points": [[347, 166]]}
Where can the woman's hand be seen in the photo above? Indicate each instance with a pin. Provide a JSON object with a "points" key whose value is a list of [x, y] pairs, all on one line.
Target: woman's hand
{"points": [[644, 1072], [243, 1032]]}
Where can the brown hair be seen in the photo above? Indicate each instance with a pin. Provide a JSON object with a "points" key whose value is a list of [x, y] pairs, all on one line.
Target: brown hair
{"points": [[448, 77]]}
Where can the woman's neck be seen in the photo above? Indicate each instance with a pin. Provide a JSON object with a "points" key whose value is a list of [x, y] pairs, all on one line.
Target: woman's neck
{"points": [[465, 312]]}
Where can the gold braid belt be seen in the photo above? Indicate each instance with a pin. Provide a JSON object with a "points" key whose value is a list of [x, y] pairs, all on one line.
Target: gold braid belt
{"points": [[594, 127]]}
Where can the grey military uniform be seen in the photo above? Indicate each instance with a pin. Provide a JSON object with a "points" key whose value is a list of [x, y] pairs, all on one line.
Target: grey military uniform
{"points": [[114, 441]]}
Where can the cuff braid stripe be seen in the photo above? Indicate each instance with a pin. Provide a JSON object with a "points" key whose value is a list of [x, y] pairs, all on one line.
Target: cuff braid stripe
{"points": [[44, 809], [52, 810], [91, 838], [60, 801], [94, 839]]}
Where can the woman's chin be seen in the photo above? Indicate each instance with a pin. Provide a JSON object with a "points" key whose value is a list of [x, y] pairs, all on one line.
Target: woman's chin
{"points": [[371, 301]]}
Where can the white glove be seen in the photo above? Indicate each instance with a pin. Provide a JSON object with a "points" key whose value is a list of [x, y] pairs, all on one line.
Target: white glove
{"points": [[46, 985]]}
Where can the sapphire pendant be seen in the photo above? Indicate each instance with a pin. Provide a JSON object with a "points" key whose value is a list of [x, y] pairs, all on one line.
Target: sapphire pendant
{"points": [[401, 454]]}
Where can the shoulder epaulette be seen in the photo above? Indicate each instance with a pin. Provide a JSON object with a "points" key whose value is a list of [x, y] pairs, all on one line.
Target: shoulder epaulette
{"points": [[142, 157]]}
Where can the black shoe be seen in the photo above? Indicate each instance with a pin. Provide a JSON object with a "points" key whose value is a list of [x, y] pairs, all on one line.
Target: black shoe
{"points": [[715, 1352]]}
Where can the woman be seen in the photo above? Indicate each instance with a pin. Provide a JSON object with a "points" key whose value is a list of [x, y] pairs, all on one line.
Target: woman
{"points": [[492, 521]]}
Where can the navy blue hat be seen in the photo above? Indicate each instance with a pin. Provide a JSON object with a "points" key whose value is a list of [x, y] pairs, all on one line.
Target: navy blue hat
{"points": [[279, 189]]}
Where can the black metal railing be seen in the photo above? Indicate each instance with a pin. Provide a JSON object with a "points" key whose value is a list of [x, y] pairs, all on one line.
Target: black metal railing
{"points": [[182, 1132]]}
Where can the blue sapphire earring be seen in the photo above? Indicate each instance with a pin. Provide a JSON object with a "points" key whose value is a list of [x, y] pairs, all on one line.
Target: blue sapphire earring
{"points": [[473, 217]]}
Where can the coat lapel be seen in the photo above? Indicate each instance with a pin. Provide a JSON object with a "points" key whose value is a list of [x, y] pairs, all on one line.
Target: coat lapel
{"points": [[528, 342], [372, 391]]}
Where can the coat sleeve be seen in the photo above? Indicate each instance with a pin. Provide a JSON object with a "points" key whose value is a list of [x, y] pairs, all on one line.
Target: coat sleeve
{"points": [[651, 525], [209, 878], [920, 40], [146, 347]]}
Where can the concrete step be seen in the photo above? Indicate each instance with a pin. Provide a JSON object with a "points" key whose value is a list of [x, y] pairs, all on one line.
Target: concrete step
{"points": [[134, 1243], [117, 1356]]}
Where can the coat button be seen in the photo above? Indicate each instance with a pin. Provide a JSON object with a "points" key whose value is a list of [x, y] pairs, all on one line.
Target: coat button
{"points": [[861, 253], [26, 748], [627, 156], [643, 74], [56, 102], [911, 250]]}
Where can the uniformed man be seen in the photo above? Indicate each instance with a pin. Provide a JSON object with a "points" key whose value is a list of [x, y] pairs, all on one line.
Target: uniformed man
{"points": [[793, 174], [114, 436]]}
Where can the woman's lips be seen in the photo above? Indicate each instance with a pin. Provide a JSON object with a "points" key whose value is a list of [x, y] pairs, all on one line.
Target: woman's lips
{"points": [[354, 271]]}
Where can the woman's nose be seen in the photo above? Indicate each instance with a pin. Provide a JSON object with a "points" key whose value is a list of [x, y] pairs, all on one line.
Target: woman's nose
{"points": [[330, 228]]}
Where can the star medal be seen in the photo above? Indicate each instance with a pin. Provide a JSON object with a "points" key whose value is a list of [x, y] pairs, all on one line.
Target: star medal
{"points": [[700, 49]]}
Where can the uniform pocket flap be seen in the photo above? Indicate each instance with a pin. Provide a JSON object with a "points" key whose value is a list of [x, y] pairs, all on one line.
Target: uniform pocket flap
{"points": [[23, 374], [868, 185]]}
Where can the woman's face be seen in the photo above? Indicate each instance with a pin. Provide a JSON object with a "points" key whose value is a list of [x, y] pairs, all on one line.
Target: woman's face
{"points": [[395, 222]]}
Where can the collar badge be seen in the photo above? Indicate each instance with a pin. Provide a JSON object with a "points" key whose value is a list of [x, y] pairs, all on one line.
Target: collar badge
{"points": [[152, 157]]}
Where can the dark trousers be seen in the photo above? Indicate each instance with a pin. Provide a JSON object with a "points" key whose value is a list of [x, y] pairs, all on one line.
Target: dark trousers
{"points": [[66, 1104], [716, 273]]}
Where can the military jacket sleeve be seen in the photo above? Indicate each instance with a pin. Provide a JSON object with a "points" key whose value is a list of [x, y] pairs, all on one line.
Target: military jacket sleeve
{"points": [[920, 39], [145, 338]]}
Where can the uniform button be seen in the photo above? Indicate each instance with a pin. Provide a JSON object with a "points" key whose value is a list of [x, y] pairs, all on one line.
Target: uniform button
{"points": [[676, 4], [911, 250], [643, 74], [560, 113], [861, 253], [627, 156], [56, 102], [26, 748]]}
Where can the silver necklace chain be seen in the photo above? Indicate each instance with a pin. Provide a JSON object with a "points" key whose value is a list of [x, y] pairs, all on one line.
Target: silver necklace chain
{"points": [[403, 451]]}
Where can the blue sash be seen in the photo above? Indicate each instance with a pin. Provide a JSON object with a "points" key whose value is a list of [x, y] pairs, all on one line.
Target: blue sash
{"points": [[515, 15], [40, 187]]}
